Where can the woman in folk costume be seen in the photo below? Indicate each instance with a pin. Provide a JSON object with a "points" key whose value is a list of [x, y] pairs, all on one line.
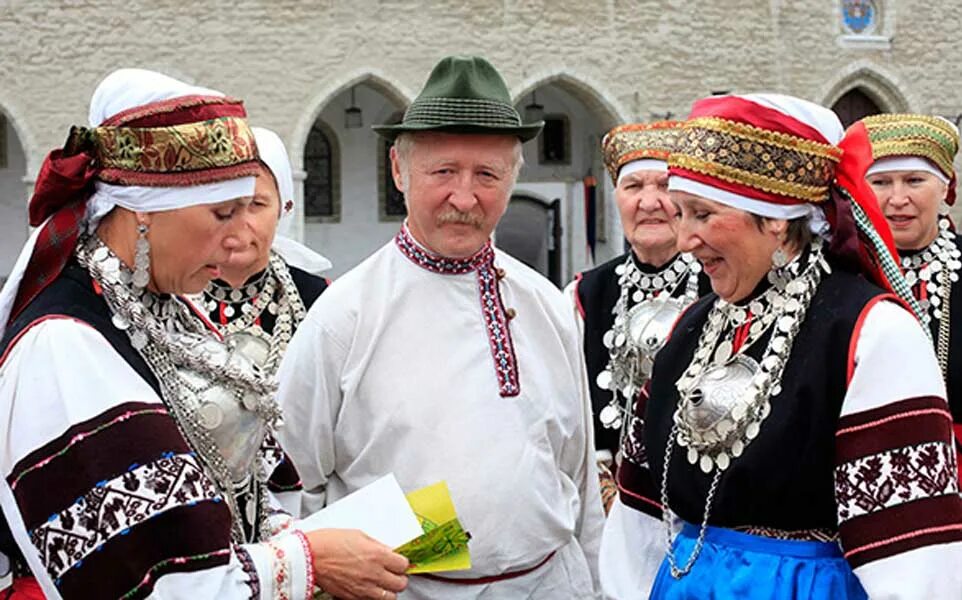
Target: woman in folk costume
{"points": [[266, 287], [136, 444], [915, 183], [781, 429], [626, 306]]}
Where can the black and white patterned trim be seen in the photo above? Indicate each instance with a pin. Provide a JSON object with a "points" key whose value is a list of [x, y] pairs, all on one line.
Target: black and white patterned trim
{"points": [[114, 506]]}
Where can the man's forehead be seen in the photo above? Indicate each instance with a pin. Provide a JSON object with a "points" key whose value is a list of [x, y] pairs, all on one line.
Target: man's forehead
{"points": [[436, 145]]}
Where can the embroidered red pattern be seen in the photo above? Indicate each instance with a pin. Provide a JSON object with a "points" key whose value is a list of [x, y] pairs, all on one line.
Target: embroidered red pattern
{"points": [[492, 307]]}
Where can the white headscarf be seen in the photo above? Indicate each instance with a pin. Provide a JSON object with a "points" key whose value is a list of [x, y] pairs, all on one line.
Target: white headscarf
{"points": [[128, 88], [906, 163], [122, 90], [819, 118], [642, 164], [274, 155]]}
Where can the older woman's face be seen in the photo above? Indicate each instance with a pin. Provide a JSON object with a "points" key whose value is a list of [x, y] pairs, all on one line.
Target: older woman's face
{"points": [[189, 246], [910, 202], [647, 214], [734, 250], [259, 219]]}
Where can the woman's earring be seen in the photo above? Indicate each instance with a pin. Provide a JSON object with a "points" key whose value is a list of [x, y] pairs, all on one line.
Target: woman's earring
{"points": [[141, 258], [779, 258]]}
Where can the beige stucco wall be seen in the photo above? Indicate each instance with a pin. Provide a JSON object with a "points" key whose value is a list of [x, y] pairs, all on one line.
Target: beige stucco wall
{"points": [[624, 60]]}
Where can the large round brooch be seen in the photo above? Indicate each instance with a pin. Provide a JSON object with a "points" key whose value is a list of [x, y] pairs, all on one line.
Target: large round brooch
{"points": [[718, 414]]}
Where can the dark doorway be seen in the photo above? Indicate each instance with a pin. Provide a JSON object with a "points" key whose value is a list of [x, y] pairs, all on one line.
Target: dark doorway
{"points": [[531, 232], [855, 105]]}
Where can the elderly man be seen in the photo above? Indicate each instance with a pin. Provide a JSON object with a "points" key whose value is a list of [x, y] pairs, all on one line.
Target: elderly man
{"points": [[442, 358]]}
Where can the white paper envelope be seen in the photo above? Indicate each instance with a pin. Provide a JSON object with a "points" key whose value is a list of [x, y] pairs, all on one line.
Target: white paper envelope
{"points": [[378, 509]]}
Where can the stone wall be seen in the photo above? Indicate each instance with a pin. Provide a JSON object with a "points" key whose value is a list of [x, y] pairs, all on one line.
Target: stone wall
{"points": [[624, 60]]}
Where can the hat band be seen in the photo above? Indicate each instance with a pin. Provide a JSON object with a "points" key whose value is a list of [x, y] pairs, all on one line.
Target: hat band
{"points": [[773, 162], [188, 154], [469, 111]]}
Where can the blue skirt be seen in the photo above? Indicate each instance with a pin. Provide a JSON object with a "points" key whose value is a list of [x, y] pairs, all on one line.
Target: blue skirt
{"points": [[749, 567]]}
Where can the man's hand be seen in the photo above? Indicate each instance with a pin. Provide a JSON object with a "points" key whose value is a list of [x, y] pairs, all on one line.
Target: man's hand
{"points": [[352, 566]]}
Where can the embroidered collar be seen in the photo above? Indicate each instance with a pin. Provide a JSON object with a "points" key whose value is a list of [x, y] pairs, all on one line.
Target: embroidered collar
{"points": [[436, 263], [496, 317]]}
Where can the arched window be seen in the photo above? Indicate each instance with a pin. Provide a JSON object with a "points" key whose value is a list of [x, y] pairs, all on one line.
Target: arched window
{"points": [[321, 187], [390, 199], [855, 105]]}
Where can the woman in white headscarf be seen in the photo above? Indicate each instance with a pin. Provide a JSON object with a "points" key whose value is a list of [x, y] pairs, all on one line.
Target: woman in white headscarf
{"points": [[136, 445], [268, 285]]}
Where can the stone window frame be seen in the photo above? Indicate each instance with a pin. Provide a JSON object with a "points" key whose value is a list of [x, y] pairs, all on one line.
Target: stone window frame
{"points": [[383, 172], [331, 135], [879, 38]]}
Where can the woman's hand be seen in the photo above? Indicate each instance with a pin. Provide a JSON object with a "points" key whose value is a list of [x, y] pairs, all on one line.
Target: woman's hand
{"points": [[352, 566]]}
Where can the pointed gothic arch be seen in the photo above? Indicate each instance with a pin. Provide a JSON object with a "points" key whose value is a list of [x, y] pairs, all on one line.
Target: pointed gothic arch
{"points": [[394, 92], [879, 87], [593, 95]]}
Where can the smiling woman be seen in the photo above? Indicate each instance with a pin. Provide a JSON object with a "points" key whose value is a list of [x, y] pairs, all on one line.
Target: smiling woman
{"points": [[914, 179], [775, 394]]}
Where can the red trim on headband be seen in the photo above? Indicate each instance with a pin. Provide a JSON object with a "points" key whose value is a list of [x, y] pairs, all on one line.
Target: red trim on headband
{"points": [[177, 111], [741, 110]]}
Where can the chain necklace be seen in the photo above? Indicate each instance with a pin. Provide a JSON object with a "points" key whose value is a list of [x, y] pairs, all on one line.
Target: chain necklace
{"points": [[934, 270], [644, 313], [189, 363], [725, 394], [273, 291]]}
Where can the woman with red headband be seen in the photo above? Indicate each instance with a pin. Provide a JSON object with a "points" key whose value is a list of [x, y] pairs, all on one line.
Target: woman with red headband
{"points": [[781, 442], [913, 177], [136, 444]]}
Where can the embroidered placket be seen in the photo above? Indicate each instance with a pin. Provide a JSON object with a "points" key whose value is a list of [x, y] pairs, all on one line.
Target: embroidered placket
{"points": [[492, 307]]}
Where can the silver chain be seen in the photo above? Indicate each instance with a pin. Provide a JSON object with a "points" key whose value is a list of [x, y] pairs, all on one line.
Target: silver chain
{"points": [[676, 572], [152, 339]]}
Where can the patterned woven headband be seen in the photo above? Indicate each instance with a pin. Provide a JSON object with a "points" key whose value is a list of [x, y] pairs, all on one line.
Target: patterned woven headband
{"points": [[174, 155], [797, 169], [635, 141], [914, 135]]}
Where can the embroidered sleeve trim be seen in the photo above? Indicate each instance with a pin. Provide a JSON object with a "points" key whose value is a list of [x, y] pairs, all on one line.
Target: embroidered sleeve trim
{"points": [[247, 564], [309, 561], [887, 479], [280, 571], [113, 507]]}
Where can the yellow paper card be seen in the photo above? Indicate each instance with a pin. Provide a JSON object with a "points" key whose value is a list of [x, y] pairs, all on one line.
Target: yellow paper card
{"points": [[444, 545]]}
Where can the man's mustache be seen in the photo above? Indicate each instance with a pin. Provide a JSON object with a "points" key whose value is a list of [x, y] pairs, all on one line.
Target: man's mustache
{"points": [[461, 218]]}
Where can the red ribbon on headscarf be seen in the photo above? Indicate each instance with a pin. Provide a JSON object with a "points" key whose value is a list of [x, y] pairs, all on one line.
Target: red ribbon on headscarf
{"points": [[64, 185]]}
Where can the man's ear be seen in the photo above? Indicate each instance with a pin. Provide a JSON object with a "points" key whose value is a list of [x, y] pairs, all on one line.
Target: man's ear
{"points": [[396, 170]]}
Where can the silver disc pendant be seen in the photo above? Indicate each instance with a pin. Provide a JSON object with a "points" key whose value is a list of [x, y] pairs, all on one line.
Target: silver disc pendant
{"points": [[210, 416], [138, 340], [610, 417], [604, 380], [119, 322]]}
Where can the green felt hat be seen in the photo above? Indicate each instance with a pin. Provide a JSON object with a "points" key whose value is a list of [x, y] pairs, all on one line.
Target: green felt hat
{"points": [[463, 94]]}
